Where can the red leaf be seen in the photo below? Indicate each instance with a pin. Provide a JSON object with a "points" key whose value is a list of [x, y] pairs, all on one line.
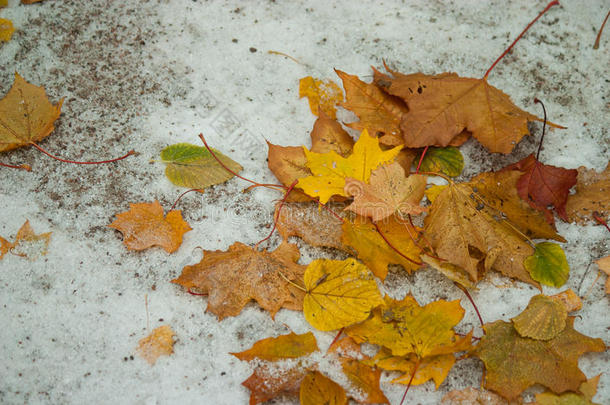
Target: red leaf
{"points": [[543, 185]]}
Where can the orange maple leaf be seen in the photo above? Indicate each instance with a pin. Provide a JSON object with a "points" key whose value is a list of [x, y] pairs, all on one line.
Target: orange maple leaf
{"points": [[159, 343], [232, 278], [144, 226], [27, 243], [323, 95]]}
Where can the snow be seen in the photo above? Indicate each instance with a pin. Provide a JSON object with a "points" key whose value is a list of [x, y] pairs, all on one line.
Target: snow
{"points": [[146, 74]]}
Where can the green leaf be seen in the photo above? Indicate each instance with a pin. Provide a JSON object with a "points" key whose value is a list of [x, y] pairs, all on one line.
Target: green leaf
{"points": [[548, 265], [447, 160], [194, 166]]}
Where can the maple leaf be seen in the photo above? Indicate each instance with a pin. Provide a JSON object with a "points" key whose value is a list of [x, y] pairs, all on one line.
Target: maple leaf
{"points": [[443, 106], [268, 382], [543, 185], [159, 343], [194, 166], [26, 115], [548, 265], [543, 319], [514, 363], [366, 379], [330, 169], [378, 111], [447, 160], [472, 237], [27, 243], [144, 226], [323, 95], [328, 135], [472, 396], [370, 246], [587, 391], [604, 265], [6, 29], [389, 192], [592, 195], [318, 389], [282, 347], [315, 226], [232, 278], [338, 293]]}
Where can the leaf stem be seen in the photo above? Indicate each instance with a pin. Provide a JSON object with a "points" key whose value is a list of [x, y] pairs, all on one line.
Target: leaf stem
{"points": [[421, 159], [276, 215], [131, 152], [393, 248], [25, 167], [410, 380], [599, 219], [476, 309], [182, 195], [599, 34], [543, 128], [551, 4], [292, 283]]}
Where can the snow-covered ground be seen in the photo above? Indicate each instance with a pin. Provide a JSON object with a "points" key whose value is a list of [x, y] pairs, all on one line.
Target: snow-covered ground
{"points": [[143, 74]]}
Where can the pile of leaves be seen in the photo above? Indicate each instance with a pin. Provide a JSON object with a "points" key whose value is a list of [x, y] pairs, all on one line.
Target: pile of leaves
{"points": [[371, 198]]}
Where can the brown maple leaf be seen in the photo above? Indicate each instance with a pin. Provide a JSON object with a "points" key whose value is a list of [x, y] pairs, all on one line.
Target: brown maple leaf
{"points": [[26, 115], [440, 107], [514, 363], [159, 343], [543, 185], [389, 192], [232, 278], [144, 226], [268, 382], [592, 195]]}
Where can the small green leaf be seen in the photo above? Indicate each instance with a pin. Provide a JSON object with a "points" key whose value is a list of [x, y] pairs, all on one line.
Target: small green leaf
{"points": [[447, 160], [194, 166], [548, 265]]}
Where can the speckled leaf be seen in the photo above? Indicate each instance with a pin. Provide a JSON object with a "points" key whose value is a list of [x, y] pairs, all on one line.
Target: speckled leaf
{"points": [[548, 265], [447, 160], [543, 318]]}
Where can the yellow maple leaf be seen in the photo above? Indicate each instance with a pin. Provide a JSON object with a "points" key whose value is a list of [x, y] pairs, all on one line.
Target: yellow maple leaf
{"points": [[159, 343], [339, 293], [330, 169], [323, 94], [282, 347], [317, 389]]}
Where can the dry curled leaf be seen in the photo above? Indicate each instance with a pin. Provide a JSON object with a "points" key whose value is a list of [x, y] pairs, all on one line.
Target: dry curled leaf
{"points": [[232, 278], [331, 169], [282, 347], [27, 243], [159, 343], [514, 363], [592, 195], [389, 192], [442, 106], [339, 293], [543, 185], [144, 226], [378, 111], [323, 94], [26, 114]]}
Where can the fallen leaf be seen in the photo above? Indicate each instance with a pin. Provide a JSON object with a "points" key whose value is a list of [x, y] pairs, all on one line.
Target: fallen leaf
{"points": [[514, 363], [404, 327], [144, 226], [366, 380], [543, 319], [6, 29], [159, 343], [194, 166], [27, 243], [444, 105], [548, 265], [339, 293], [472, 396], [288, 163], [592, 195], [282, 347], [378, 112], [604, 265], [328, 135], [232, 278], [26, 114], [543, 185], [448, 160], [587, 391], [3, 3], [569, 299], [474, 238], [371, 247], [317, 389], [268, 382], [330, 169], [315, 226], [405, 158], [323, 94], [30, 1], [388, 192]]}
